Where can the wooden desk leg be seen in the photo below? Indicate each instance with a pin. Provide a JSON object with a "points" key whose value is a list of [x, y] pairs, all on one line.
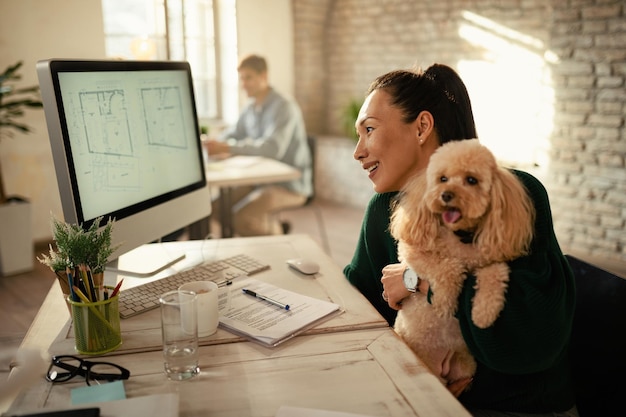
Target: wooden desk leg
{"points": [[226, 212]]}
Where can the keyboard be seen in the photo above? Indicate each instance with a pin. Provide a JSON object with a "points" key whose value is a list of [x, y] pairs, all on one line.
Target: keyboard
{"points": [[145, 297]]}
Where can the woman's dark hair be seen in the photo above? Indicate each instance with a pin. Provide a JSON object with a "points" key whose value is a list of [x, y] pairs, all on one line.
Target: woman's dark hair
{"points": [[440, 91]]}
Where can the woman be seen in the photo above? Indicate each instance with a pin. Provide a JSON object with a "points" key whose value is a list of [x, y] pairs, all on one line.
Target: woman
{"points": [[522, 359]]}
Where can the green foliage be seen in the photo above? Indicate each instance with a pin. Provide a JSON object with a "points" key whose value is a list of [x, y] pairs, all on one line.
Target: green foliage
{"points": [[13, 101], [349, 116], [76, 246]]}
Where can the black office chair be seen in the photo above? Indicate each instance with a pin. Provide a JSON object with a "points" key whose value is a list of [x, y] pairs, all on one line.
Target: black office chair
{"points": [[310, 202], [598, 346]]}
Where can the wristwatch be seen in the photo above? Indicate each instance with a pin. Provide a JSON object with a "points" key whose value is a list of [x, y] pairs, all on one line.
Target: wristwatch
{"points": [[411, 280]]}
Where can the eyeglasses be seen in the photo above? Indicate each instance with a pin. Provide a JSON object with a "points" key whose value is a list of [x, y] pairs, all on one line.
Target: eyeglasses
{"points": [[65, 367]]}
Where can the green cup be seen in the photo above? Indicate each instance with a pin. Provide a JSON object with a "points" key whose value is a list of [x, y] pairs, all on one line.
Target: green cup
{"points": [[96, 326]]}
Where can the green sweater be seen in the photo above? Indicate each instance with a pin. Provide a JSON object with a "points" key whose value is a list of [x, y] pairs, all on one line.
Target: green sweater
{"points": [[522, 359]]}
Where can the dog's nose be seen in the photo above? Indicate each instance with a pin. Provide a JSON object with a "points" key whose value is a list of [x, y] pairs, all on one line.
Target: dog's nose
{"points": [[447, 196]]}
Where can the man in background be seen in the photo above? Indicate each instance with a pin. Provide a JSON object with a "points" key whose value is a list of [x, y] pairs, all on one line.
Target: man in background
{"points": [[270, 126]]}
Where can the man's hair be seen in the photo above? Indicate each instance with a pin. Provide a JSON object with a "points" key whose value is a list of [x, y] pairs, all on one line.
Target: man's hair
{"points": [[254, 62]]}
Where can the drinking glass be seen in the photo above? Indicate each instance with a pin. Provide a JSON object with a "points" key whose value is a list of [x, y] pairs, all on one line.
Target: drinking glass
{"points": [[179, 325]]}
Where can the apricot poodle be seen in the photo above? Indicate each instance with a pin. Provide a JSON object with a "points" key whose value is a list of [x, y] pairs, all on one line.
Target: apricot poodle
{"points": [[465, 215]]}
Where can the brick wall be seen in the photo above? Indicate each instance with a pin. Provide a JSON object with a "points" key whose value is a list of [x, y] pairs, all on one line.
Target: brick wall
{"points": [[342, 45], [588, 175]]}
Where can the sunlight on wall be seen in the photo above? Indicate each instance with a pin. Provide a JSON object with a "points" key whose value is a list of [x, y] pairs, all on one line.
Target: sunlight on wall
{"points": [[511, 92]]}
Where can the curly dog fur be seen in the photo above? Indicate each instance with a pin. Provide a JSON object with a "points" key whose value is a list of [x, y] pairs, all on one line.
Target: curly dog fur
{"points": [[465, 214]]}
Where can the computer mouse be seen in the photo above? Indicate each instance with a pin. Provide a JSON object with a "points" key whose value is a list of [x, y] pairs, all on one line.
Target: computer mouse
{"points": [[305, 266]]}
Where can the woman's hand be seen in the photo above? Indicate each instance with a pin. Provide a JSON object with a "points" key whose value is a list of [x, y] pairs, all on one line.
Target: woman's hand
{"points": [[394, 290]]}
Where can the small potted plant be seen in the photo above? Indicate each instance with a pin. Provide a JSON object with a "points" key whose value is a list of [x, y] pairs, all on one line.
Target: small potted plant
{"points": [[77, 247]]}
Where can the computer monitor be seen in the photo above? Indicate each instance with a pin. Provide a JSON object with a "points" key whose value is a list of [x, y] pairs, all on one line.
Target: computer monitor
{"points": [[126, 145]]}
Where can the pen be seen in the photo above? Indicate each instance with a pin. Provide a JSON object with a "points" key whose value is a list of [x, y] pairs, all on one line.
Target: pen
{"points": [[264, 298], [224, 283]]}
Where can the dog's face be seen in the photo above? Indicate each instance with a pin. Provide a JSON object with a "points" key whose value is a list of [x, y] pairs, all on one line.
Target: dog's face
{"points": [[459, 178]]}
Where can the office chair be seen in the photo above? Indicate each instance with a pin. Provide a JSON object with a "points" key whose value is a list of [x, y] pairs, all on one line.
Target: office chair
{"points": [[310, 201], [598, 345]]}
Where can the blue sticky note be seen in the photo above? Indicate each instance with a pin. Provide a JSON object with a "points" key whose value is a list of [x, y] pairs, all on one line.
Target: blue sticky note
{"points": [[97, 393]]}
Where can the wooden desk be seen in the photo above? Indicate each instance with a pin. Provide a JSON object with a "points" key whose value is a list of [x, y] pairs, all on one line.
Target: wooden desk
{"points": [[143, 332], [352, 363], [240, 171]]}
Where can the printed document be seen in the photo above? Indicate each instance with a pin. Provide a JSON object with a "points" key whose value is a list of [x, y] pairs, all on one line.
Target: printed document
{"points": [[266, 322]]}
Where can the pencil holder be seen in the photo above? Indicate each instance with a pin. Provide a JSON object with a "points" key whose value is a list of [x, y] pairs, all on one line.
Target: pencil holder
{"points": [[65, 287], [96, 326]]}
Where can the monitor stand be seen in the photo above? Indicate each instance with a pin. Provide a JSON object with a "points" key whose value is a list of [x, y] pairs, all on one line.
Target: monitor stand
{"points": [[144, 261]]}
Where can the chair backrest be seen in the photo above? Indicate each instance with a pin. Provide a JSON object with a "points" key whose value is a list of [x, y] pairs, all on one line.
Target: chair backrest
{"points": [[598, 346], [312, 142]]}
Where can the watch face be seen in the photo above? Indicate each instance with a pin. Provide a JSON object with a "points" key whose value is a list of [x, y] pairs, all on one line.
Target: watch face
{"points": [[410, 279]]}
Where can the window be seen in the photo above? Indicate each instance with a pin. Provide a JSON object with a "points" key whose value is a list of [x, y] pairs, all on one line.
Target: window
{"points": [[182, 30]]}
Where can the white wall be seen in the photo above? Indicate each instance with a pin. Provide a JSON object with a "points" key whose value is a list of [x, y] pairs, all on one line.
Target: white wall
{"points": [[266, 28], [32, 30]]}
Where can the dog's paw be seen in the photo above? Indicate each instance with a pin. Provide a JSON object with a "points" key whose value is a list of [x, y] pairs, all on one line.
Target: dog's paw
{"points": [[491, 286], [485, 317]]}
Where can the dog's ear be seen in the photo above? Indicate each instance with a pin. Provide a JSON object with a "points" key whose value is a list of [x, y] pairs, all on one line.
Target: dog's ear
{"points": [[412, 221], [508, 229]]}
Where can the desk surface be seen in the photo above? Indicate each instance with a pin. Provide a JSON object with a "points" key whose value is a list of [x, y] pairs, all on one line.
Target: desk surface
{"points": [[248, 170], [143, 332], [351, 363]]}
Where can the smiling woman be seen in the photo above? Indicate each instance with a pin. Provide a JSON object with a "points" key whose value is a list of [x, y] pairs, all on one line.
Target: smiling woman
{"points": [[522, 364], [406, 116]]}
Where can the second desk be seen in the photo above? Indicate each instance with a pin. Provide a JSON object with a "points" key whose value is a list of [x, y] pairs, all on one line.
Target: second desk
{"points": [[238, 171]]}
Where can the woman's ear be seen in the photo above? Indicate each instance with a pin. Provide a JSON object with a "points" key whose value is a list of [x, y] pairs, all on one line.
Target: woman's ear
{"points": [[425, 125]]}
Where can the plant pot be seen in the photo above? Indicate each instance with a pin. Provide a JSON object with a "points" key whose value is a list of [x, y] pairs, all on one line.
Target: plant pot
{"points": [[17, 253]]}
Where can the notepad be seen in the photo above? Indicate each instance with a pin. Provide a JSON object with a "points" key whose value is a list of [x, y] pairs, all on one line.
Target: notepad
{"points": [[266, 322], [95, 393]]}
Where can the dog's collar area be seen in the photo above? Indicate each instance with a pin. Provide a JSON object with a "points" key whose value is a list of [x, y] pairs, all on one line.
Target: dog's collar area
{"points": [[465, 236]]}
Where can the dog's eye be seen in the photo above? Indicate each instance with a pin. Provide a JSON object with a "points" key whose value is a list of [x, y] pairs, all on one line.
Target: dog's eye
{"points": [[471, 180], [443, 179]]}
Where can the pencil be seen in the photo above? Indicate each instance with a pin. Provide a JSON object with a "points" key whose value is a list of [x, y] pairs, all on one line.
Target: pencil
{"points": [[117, 288], [92, 284], [81, 295], [83, 275], [70, 281]]}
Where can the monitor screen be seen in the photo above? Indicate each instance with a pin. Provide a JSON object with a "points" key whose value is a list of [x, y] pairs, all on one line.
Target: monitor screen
{"points": [[126, 145]]}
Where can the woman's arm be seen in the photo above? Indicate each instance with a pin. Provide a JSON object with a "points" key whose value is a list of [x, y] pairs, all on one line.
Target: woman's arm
{"points": [[375, 249]]}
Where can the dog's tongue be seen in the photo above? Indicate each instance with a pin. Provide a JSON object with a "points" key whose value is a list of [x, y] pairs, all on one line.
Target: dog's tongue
{"points": [[451, 216]]}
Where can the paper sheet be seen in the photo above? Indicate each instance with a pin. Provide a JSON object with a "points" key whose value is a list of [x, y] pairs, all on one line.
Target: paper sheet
{"points": [[265, 322], [161, 405]]}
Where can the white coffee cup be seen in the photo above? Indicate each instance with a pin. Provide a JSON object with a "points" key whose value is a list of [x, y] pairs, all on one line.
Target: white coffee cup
{"points": [[208, 315]]}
